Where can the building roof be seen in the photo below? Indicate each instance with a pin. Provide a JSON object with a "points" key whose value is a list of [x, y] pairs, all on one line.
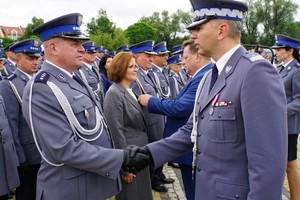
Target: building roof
{"points": [[7, 30]]}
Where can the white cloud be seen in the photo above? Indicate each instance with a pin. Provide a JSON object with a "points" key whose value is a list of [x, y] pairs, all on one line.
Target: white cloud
{"points": [[123, 13]]}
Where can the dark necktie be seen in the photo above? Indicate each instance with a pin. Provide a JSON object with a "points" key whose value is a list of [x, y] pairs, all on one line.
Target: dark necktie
{"points": [[281, 68], [78, 80], [214, 76]]}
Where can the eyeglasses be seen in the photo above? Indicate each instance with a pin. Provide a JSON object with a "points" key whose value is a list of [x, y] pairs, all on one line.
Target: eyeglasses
{"points": [[133, 67]]}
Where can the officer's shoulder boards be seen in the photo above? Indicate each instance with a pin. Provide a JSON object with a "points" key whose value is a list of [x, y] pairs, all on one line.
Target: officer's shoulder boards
{"points": [[11, 77], [253, 57], [297, 65], [42, 77]]}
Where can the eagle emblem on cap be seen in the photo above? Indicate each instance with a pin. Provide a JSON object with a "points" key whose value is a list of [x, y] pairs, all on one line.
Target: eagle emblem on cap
{"points": [[79, 20], [36, 43]]}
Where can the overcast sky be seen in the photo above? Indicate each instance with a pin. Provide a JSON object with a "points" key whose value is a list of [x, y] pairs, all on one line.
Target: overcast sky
{"points": [[123, 12]]}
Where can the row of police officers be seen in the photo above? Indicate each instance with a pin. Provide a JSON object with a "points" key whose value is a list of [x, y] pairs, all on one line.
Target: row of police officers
{"points": [[55, 143]]}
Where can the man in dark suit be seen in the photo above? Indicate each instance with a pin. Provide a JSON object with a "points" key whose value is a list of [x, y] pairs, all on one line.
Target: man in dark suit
{"points": [[27, 59], [67, 122], [238, 126], [179, 109]]}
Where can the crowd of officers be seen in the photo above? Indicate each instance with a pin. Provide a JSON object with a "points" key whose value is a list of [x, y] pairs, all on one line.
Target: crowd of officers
{"points": [[161, 74], [18, 64]]}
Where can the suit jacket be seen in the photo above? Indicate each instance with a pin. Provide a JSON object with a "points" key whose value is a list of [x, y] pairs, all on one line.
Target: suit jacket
{"points": [[241, 147], [178, 110], [91, 168], [9, 68], [291, 79], [9, 178], [154, 122], [106, 83], [25, 146], [128, 127]]}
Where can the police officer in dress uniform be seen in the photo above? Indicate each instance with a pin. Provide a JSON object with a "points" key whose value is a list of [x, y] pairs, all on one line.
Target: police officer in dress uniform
{"points": [[9, 63], [67, 122], [183, 75], [174, 64], [123, 48], [288, 54], [89, 73], [158, 72], [27, 54], [154, 122], [9, 179], [2, 59], [238, 126], [98, 57]]}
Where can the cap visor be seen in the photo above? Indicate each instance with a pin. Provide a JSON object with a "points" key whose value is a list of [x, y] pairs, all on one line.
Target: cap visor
{"points": [[277, 47], [163, 53], [150, 52], [76, 37], [33, 54], [91, 51], [193, 25]]}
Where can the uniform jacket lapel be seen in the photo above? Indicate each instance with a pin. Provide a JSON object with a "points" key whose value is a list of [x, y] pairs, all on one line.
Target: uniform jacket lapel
{"points": [[221, 81], [24, 79], [63, 77], [287, 69], [145, 78]]}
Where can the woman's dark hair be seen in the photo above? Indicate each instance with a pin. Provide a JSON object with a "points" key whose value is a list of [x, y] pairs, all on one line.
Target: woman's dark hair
{"points": [[102, 63], [295, 53]]}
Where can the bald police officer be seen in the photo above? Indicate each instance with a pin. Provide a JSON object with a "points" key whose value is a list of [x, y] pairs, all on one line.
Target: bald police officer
{"points": [[67, 122]]}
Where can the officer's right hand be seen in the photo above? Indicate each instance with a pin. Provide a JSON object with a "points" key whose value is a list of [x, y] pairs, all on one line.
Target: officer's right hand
{"points": [[135, 159]]}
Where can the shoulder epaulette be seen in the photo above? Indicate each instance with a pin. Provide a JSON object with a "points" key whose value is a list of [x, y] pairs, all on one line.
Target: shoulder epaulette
{"points": [[253, 56], [297, 65], [11, 77], [42, 77]]}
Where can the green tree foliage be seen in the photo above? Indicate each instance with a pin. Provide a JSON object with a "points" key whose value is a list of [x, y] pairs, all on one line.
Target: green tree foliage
{"points": [[101, 24], [170, 28], [110, 41], [6, 41], [28, 30], [139, 32], [266, 18]]}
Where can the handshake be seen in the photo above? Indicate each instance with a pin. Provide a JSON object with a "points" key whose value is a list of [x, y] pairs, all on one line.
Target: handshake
{"points": [[136, 159]]}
